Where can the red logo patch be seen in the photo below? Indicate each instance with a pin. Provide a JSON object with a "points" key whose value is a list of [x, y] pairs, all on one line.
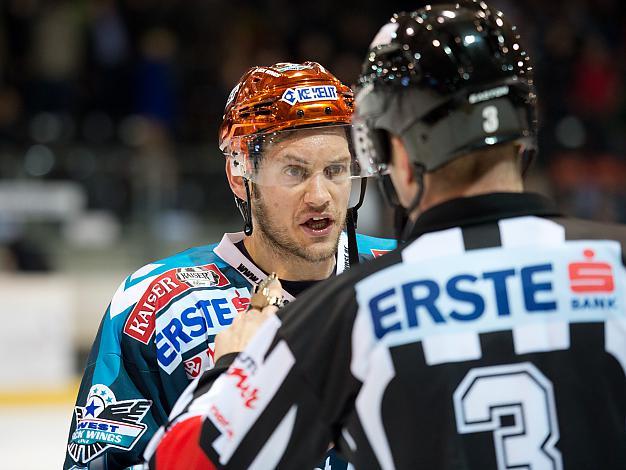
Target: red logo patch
{"points": [[140, 323], [241, 303], [249, 395], [591, 276], [193, 367], [379, 253]]}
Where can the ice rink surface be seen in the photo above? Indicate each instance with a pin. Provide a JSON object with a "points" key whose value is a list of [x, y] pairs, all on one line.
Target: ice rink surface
{"points": [[34, 435]]}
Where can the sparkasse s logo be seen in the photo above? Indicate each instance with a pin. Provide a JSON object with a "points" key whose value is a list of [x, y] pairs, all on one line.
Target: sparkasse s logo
{"points": [[591, 276], [591, 282]]}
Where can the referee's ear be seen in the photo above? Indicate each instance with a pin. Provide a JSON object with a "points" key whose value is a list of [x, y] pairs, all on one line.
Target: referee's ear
{"points": [[401, 172]]}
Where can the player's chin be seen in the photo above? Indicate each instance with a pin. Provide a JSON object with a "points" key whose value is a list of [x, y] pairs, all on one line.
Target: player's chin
{"points": [[319, 247], [319, 251]]}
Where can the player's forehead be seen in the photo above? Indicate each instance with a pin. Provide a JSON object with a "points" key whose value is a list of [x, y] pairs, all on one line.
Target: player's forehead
{"points": [[309, 145]]}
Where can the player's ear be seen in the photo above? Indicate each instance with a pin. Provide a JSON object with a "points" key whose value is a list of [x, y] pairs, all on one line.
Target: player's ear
{"points": [[400, 158], [235, 180]]}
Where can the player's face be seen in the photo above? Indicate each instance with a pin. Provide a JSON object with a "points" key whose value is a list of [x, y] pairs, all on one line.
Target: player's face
{"points": [[301, 202]]}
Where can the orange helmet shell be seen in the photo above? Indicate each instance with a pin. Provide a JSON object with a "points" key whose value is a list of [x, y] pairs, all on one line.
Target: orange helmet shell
{"points": [[283, 96]]}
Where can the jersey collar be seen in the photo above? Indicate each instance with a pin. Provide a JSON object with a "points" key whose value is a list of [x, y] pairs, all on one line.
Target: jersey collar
{"points": [[482, 209], [228, 251]]}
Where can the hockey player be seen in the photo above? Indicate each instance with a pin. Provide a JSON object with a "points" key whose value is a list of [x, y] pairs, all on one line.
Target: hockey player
{"points": [[494, 338], [290, 164]]}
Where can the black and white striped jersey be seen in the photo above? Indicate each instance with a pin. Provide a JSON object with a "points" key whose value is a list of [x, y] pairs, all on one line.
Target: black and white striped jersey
{"points": [[494, 339]]}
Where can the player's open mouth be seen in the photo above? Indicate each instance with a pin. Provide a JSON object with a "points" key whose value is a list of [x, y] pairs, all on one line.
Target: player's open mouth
{"points": [[318, 226]]}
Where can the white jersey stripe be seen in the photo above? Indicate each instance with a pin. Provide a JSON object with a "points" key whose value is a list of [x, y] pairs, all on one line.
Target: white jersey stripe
{"points": [[431, 245], [541, 337], [531, 230], [444, 348], [371, 398], [456, 347], [275, 446], [224, 406]]}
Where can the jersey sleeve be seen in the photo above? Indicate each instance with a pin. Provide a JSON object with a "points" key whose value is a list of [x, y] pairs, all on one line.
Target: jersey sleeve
{"points": [[119, 405], [280, 403]]}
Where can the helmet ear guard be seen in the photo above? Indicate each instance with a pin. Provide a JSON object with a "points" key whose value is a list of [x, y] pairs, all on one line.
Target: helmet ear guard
{"points": [[235, 166], [458, 128]]}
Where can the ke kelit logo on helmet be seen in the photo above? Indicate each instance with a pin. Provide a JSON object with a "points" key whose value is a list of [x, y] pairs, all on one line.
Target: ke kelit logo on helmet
{"points": [[306, 94], [167, 286], [105, 422]]}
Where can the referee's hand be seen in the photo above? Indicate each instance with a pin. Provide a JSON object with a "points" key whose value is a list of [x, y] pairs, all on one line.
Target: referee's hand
{"points": [[236, 337]]}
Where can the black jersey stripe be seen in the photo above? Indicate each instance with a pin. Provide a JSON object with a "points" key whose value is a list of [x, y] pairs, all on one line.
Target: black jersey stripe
{"points": [[476, 237]]}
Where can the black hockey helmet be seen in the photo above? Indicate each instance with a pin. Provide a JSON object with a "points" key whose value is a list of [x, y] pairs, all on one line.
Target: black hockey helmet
{"points": [[448, 79]]}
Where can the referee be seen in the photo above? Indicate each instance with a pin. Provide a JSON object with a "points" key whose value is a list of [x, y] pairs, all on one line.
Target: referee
{"points": [[494, 338]]}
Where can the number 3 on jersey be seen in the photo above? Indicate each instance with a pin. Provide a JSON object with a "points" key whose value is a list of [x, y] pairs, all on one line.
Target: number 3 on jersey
{"points": [[487, 394], [491, 122]]}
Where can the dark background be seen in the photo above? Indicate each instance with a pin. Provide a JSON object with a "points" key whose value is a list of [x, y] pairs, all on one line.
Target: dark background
{"points": [[122, 99]]}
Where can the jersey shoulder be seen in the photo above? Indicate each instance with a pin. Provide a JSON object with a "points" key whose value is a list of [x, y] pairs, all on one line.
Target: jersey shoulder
{"points": [[577, 229], [164, 272]]}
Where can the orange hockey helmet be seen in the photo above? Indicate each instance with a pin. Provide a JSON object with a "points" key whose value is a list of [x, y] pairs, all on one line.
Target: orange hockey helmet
{"points": [[283, 96], [268, 104]]}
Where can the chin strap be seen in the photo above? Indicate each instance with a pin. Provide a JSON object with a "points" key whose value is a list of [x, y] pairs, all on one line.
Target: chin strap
{"points": [[351, 222], [353, 249], [245, 207]]}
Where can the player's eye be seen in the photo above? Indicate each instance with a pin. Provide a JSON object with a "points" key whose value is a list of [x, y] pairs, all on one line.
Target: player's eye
{"points": [[295, 172], [335, 171]]}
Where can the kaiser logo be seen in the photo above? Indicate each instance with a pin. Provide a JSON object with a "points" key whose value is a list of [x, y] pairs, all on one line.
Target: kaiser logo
{"points": [[105, 422], [169, 285], [591, 276], [202, 276]]}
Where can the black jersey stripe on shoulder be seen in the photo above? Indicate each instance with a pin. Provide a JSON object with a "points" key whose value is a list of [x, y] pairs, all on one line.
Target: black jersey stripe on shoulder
{"points": [[476, 237]]}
